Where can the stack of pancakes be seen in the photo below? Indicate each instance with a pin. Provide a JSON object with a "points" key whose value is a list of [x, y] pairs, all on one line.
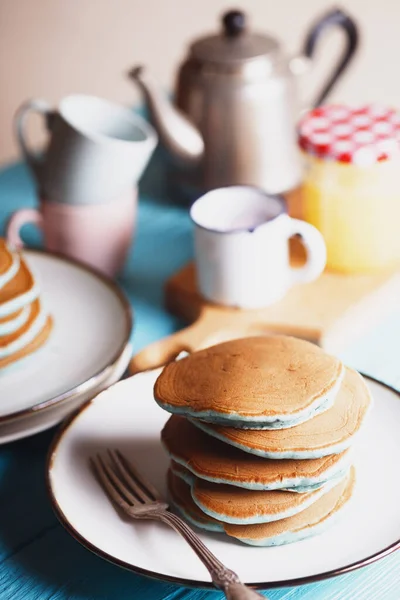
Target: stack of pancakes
{"points": [[24, 324], [260, 437]]}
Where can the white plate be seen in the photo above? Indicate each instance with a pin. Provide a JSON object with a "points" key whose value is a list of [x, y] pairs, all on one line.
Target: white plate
{"points": [[87, 348], [35, 421], [126, 417]]}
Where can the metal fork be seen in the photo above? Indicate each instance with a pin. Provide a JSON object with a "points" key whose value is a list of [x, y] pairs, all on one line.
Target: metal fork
{"points": [[138, 498]]}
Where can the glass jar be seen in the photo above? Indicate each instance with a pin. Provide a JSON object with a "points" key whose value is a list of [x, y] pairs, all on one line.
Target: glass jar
{"points": [[351, 186]]}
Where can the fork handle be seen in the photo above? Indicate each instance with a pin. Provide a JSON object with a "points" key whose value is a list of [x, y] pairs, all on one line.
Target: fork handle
{"points": [[239, 591], [222, 577]]}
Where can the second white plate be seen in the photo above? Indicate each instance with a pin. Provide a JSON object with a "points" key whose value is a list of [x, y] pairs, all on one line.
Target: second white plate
{"points": [[88, 343]]}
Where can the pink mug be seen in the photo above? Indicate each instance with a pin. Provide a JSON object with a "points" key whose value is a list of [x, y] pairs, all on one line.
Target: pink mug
{"points": [[98, 235]]}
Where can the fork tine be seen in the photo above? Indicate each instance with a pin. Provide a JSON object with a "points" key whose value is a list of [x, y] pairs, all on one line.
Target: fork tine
{"points": [[127, 478], [147, 486], [116, 484], [106, 484]]}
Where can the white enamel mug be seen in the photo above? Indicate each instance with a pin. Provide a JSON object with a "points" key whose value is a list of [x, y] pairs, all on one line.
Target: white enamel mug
{"points": [[242, 247]]}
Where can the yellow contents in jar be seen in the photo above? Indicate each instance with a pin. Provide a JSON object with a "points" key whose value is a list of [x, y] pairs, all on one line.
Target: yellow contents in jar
{"points": [[357, 210]]}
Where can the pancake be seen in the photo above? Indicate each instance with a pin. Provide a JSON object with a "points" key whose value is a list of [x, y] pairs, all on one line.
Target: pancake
{"points": [[189, 478], [210, 459], [21, 290], [181, 498], [236, 505], [14, 321], [31, 347], [24, 324], [182, 472], [331, 432], [9, 263], [261, 382], [11, 343], [312, 521]]}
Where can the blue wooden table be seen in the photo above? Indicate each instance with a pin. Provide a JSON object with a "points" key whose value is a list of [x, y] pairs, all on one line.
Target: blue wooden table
{"points": [[38, 559]]}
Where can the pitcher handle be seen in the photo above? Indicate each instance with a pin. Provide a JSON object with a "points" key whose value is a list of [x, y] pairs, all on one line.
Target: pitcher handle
{"points": [[20, 121], [315, 247], [17, 221], [334, 18]]}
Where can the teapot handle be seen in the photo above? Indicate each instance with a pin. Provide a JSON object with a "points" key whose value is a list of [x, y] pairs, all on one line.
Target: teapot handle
{"points": [[334, 18]]}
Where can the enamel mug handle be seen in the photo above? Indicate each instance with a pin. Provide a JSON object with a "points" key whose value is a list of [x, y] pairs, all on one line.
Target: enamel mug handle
{"points": [[17, 221], [238, 591], [315, 247], [20, 120]]}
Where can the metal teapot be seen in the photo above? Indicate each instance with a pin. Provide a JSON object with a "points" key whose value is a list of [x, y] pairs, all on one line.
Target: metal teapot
{"points": [[236, 106]]}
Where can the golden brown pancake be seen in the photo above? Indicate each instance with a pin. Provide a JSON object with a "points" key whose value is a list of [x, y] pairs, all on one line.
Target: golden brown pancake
{"points": [[327, 433], [182, 497], [34, 345], [21, 286], [232, 504], [211, 459], [300, 524], [11, 317], [310, 521], [251, 380], [182, 471], [24, 326], [6, 257], [11, 337]]}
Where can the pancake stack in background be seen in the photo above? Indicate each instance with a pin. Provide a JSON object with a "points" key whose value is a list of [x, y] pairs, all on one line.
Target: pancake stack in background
{"points": [[24, 324], [260, 437]]}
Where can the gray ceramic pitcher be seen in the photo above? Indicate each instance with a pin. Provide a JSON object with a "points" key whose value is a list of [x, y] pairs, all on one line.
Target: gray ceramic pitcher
{"points": [[96, 150]]}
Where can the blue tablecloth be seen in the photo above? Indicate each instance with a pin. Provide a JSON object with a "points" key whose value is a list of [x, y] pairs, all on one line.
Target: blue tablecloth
{"points": [[38, 559]]}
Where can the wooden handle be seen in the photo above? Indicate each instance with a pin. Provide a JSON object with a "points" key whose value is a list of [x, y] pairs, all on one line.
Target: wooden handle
{"points": [[164, 351], [159, 353], [209, 329]]}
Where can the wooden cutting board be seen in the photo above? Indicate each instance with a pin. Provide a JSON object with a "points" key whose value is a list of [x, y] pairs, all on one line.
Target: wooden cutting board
{"points": [[332, 311]]}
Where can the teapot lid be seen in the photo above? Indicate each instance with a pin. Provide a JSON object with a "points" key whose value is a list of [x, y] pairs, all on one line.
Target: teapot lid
{"points": [[235, 44]]}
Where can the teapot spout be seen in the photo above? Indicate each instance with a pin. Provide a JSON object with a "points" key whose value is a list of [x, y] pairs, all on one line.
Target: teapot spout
{"points": [[175, 131]]}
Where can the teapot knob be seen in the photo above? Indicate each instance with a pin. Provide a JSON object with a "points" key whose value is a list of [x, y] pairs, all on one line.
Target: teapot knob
{"points": [[234, 23]]}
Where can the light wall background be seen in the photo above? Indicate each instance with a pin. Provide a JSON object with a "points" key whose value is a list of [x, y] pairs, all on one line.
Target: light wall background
{"points": [[50, 48]]}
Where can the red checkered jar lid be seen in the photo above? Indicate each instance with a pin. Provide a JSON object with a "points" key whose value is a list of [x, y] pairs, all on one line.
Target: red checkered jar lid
{"points": [[361, 136]]}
